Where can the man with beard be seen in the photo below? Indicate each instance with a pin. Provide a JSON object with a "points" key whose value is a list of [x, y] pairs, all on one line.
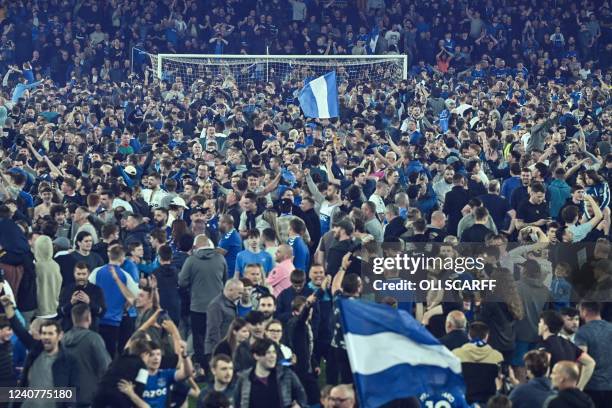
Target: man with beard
{"points": [[444, 185], [160, 218], [48, 364], [267, 306], [329, 203], [81, 291], [521, 193], [308, 214], [571, 323], [342, 231], [222, 369]]}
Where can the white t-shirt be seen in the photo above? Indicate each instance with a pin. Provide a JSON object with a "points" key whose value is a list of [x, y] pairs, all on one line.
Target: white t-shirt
{"points": [[380, 204]]}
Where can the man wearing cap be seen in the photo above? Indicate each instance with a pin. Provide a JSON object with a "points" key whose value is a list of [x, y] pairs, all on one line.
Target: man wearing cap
{"points": [[175, 210]]}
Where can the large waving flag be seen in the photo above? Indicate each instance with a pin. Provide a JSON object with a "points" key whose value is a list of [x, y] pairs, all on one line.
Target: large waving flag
{"points": [[319, 97], [393, 357]]}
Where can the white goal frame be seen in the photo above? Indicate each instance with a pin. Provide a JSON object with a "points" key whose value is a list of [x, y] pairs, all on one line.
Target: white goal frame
{"points": [[158, 60]]}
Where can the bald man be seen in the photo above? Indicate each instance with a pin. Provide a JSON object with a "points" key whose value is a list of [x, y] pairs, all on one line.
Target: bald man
{"points": [[204, 274], [220, 313], [278, 278], [342, 396], [436, 231], [455, 325], [565, 376]]}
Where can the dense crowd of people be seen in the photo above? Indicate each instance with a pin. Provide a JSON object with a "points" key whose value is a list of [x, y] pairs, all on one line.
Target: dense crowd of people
{"points": [[167, 240]]}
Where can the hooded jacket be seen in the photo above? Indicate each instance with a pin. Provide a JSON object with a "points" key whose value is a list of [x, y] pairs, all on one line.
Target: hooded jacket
{"points": [[471, 353], [169, 297], [204, 273], [89, 350], [570, 398], [535, 296], [558, 192], [480, 366], [48, 277]]}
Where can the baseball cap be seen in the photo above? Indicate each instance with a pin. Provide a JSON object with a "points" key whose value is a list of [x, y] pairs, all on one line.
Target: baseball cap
{"points": [[179, 202], [452, 159], [130, 170], [62, 243]]}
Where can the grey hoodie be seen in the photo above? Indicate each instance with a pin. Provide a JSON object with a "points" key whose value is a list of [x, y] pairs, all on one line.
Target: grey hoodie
{"points": [[204, 273], [92, 358], [535, 296], [48, 277]]}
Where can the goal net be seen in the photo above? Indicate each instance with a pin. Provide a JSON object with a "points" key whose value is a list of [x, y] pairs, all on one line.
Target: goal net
{"points": [[247, 69]]}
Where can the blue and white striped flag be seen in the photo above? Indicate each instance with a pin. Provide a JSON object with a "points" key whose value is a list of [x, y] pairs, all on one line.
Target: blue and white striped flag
{"points": [[319, 97], [393, 357]]}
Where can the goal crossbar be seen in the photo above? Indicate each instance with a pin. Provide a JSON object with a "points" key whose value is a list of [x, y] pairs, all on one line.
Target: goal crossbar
{"points": [[161, 63]]}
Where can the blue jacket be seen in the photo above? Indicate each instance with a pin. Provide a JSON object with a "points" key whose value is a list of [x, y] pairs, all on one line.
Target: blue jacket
{"points": [[558, 192], [532, 394], [601, 193], [509, 185]]}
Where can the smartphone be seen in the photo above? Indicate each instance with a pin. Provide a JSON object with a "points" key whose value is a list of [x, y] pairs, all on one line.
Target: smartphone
{"points": [[163, 315]]}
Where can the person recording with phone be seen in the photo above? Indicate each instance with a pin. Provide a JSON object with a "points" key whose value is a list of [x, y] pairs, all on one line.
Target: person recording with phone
{"points": [[81, 291]]}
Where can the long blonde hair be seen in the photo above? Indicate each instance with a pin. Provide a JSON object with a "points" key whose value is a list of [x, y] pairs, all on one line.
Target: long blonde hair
{"points": [[507, 291]]}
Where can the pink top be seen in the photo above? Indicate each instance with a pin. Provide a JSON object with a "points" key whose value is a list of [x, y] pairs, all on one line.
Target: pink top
{"points": [[279, 276]]}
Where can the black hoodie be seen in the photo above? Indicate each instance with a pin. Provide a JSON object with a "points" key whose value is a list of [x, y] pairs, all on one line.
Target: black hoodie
{"points": [[169, 298], [569, 398]]}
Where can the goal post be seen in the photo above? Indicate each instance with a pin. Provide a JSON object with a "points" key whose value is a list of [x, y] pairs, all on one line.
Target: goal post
{"points": [[245, 69]]}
